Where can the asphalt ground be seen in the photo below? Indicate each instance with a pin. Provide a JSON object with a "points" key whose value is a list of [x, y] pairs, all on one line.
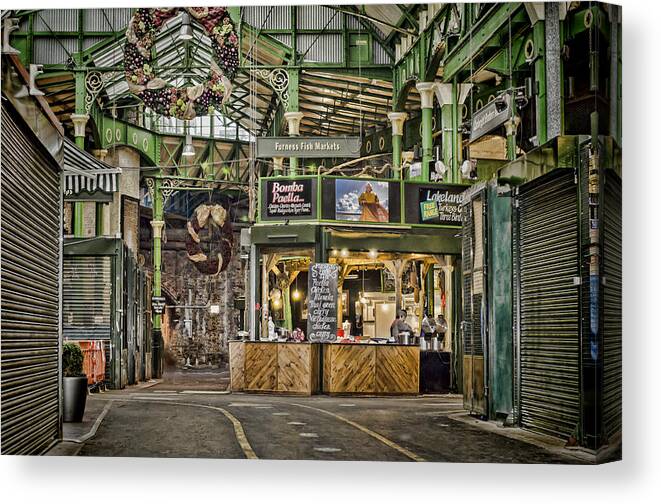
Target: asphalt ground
{"points": [[162, 421]]}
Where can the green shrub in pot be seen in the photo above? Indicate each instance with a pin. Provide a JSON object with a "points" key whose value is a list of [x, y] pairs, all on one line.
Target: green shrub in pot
{"points": [[74, 383]]}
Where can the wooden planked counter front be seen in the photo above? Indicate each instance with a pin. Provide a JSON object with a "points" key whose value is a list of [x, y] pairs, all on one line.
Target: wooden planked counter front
{"points": [[356, 368], [263, 366]]}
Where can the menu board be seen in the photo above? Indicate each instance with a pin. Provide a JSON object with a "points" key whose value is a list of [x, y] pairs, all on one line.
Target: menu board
{"points": [[322, 302]]}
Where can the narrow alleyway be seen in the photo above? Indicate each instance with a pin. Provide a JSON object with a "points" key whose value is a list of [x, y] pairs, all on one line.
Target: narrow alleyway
{"points": [[179, 422]]}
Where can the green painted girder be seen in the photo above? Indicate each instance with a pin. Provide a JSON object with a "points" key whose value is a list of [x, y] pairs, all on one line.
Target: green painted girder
{"points": [[421, 60], [575, 22], [480, 36]]}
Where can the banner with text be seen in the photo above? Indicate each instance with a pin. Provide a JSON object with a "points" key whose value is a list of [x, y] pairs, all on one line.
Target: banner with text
{"points": [[308, 147], [287, 199]]}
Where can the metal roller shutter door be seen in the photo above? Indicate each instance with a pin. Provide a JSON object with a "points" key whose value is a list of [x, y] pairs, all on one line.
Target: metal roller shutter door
{"points": [[86, 292], [549, 304], [87, 301], [30, 262], [473, 329], [612, 305]]}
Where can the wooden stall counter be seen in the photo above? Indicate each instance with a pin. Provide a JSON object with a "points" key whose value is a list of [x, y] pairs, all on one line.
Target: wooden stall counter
{"points": [[361, 368], [265, 366]]}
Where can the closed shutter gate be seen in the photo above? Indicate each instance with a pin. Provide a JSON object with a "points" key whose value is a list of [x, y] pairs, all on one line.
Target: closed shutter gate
{"points": [[30, 234], [473, 261], [86, 304], [548, 317], [612, 305]]}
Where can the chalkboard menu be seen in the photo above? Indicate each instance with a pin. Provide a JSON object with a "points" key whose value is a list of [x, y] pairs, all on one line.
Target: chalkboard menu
{"points": [[322, 302]]}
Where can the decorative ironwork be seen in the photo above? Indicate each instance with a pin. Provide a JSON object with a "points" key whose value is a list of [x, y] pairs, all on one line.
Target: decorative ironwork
{"points": [[95, 82], [278, 80], [150, 186], [169, 186]]}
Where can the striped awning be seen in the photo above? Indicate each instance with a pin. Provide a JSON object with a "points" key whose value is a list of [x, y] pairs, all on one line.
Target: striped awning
{"points": [[85, 173]]}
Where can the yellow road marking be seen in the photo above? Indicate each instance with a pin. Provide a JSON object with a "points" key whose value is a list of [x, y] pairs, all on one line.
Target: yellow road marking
{"points": [[238, 427], [364, 429]]}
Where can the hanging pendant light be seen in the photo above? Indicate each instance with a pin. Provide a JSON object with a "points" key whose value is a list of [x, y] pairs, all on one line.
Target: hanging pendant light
{"points": [[189, 150], [186, 31], [296, 295], [363, 299]]}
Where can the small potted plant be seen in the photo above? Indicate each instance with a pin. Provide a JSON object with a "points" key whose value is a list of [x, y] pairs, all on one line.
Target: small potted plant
{"points": [[74, 383]]}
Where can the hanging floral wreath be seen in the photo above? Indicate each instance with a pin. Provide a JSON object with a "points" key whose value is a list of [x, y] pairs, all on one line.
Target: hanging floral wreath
{"points": [[158, 95], [214, 215]]}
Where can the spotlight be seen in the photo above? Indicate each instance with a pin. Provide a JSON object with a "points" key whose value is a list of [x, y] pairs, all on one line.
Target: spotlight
{"points": [[344, 252], [296, 295], [189, 150], [373, 253]]}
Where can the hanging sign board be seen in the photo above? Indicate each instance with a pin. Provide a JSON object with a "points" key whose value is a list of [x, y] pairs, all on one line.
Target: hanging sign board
{"points": [[288, 198], [438, 204], [441, 204], [492, 115], [308, 147], [322, 302]]}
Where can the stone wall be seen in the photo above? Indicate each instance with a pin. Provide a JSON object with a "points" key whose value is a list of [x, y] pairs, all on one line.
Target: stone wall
{"points": [[195, 335]]}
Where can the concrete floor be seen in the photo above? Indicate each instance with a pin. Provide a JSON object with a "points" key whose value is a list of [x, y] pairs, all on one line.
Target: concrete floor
{"points": [[174, 419]]}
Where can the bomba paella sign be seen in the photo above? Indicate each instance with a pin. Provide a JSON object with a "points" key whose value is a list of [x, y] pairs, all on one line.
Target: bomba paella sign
{"points": [[289, 198]]}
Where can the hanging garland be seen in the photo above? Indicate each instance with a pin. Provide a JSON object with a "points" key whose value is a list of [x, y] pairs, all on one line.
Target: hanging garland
{"points": [[214, 215], [163, 98]]}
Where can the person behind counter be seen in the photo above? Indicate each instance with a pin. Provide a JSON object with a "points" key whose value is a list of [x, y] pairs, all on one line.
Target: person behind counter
{"points": [[399, 325]]}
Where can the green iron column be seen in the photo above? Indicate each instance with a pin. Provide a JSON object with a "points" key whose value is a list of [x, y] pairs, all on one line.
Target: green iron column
{"points": [[79, 120], [426, 90], [451, 96], [293, 124], [157, 224], [292, 115], [397, 120]]}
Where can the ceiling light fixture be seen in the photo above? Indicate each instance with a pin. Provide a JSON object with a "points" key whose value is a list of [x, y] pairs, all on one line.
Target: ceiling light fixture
{"points": [[189, 150]]}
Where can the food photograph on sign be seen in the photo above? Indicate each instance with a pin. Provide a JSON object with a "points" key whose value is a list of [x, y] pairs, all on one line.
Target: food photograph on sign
{"points": [[360, 200]]}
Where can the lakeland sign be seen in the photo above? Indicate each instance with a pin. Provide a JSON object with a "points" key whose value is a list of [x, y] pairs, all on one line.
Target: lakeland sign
{"points": [[308, 147]]}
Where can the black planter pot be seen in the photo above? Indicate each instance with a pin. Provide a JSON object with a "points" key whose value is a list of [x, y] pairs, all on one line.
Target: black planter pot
{"points": [[74, 398]]}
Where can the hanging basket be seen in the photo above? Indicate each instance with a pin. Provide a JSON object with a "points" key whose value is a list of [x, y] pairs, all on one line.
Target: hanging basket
{"points": [[181, 102]]}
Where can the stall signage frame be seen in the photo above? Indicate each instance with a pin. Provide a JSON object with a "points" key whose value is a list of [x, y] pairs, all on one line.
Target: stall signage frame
{"points": [[322, 302], [309, 147], [289, 198], [438, 204], [491, 116]]}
